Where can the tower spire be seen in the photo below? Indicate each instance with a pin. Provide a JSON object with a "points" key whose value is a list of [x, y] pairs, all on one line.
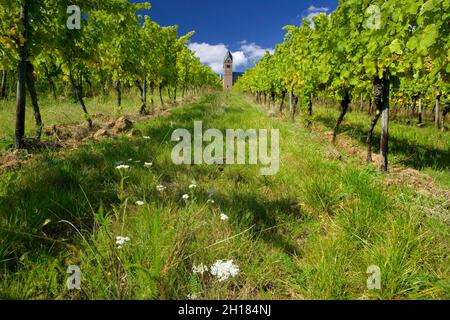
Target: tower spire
{"points": [[228, 71], [228, 56]]}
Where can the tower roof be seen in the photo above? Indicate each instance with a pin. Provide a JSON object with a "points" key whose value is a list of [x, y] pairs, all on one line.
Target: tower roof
{"points": [[228, 56]]}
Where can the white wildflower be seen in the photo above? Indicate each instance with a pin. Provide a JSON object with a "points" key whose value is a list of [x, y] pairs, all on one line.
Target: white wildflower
{"points": [[223, 217], [131, 159], [185, 196], [122, 167], [161, 188], [121, 241], [146, 137], [193, 185], [224, 269], [210, 201], [201, 268], [140, 203], [148, 164]]}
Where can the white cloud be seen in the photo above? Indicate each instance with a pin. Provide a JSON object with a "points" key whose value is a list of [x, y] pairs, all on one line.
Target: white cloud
{"points": [[254, 52], [315, 11], [321, 9], [213, 54], [239, 59]]}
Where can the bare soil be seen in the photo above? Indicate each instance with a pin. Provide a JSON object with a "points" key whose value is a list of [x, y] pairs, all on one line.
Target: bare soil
{"points": [[70, 136]]}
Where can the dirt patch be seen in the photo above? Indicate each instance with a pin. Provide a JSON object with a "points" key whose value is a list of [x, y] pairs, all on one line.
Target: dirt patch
{"points": [[332, 153], [422, 183], [14, 159], [412, 177], [71, 136], [122, 124], [351, 149]]}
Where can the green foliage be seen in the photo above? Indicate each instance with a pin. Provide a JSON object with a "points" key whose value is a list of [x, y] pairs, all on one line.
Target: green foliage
{"points": [[408, 39], [114, 46]]}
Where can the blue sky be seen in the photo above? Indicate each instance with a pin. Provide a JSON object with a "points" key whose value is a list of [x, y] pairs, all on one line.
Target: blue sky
{"points": [[246, 27]]}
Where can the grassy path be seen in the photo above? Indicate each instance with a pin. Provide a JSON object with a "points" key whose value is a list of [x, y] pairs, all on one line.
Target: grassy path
{"points": [[311, 231]]}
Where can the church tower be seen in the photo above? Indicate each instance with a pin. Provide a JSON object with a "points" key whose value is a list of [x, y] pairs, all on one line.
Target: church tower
{"points": [[228, 71]]}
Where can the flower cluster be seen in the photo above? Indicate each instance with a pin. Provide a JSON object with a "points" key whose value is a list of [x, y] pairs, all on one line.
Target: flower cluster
{"points": [[121, 241], [193, 185], [161, 188], [122, 166], [201, 269], [224, 270]]}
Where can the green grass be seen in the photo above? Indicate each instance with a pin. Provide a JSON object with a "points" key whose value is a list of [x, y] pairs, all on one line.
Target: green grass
{"points": [[345, 221]]}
